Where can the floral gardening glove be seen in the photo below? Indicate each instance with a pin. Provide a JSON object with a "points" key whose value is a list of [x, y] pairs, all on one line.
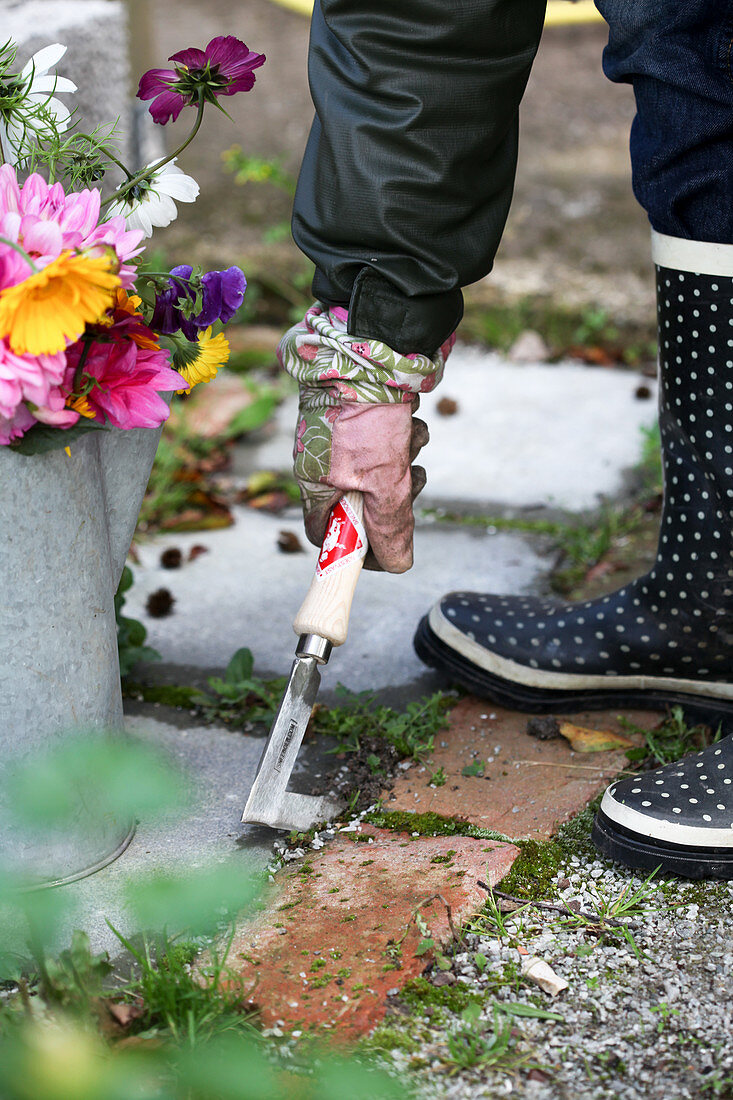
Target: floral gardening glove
{"points": [[356, 429]]}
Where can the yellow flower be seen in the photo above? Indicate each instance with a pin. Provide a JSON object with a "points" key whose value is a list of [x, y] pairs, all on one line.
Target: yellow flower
{"points": [[81, 405], [213, 352], [50, 309]]}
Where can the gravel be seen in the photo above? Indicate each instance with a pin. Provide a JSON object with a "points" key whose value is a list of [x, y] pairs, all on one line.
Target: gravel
{"points": [[647, 1016]]}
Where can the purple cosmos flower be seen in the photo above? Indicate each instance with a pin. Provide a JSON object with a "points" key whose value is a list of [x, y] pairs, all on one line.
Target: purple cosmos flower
{"points": [[222, 293], [223, 68]]}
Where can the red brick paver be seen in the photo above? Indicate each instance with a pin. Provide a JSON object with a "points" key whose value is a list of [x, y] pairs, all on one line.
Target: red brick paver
{"points": [[339, 930], [528, 787]]}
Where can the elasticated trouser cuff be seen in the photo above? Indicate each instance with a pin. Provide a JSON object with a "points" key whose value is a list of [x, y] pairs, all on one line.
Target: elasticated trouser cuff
{"points": [[378, 310]]}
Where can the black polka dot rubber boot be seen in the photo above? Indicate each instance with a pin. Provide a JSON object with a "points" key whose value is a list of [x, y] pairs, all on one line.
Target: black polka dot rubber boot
{"points": [[666, 638], [679, 817]]}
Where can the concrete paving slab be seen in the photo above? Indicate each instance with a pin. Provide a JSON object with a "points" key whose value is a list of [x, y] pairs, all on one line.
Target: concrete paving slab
{"points": [[245, 592], [528, 787], [339, 930], [558, 435], [221, 765]]}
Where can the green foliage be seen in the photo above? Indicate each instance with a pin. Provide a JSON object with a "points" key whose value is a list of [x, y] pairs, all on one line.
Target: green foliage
{"points": [[67, 1061], [564, 330], [473, 1045], [197, 901], [241, 697], [119, 780], [76, 976], [249, 169], [189, 1005], [178, 479], [411, 732], [672, 739], [188, 1021], [81, 159], [131, 633], [42, 438], [474, 769]]}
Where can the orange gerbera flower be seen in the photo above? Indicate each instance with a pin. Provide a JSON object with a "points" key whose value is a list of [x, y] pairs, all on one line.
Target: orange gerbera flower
{"points": [[124, 320], [51, 308]]}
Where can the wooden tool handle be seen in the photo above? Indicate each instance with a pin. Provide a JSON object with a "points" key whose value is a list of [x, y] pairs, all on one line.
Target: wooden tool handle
{"points": [[325, 610]]}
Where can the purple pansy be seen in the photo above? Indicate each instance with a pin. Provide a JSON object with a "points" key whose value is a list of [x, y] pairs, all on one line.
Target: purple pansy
{"points": [[222, 293], [223, 68]]}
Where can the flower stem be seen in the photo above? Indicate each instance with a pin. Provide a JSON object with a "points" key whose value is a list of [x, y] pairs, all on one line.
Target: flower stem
{"points": [[147, 173], [87, 340]]}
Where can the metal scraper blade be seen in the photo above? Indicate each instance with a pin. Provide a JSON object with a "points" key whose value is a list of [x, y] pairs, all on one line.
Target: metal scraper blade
{"points": [[270, 802]]}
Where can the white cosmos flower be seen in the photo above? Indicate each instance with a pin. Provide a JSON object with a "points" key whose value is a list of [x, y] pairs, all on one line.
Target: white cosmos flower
{"points": [[39, 110], [153, 204]]}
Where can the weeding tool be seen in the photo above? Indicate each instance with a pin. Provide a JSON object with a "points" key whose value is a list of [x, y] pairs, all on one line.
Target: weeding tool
{"points": [[321, 623]]}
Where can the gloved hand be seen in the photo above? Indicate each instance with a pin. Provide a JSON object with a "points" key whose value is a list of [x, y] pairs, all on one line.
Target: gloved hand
{"points": [[356, 429]]}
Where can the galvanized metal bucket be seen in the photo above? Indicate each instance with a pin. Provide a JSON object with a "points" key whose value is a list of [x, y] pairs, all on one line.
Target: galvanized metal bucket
{"points": [[66, 524]]}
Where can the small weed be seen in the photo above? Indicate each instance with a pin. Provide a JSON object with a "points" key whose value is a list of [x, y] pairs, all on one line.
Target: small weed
{"points": [[131, 633], [411, 732], [664, 1014], [491, 921], [672, 739], [471, 1046], [438, 778], [428, 943], [241, 697], [186, 1004], [75, 977], [480, 962], [476, 768], [580, 545]]}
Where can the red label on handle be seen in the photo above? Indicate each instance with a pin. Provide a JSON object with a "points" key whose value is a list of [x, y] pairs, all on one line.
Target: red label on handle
{"points": [[345, 540]]}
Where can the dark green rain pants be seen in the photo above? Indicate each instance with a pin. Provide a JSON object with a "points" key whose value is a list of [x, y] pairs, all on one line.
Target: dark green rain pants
{"points": [[409, 169]]}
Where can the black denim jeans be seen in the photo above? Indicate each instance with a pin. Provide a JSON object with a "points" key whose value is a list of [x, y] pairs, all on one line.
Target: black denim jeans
{"points": [[408, 174]]}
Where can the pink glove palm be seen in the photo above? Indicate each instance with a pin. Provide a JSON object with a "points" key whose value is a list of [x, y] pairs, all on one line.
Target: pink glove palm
{"points": [[356, 429]]}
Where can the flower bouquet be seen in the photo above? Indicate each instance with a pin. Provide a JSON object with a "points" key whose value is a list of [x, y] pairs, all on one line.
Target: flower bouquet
{"points": [[89, 337], [92, 342]]}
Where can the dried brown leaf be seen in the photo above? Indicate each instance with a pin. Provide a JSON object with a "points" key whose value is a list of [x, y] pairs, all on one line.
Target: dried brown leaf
{"points": [[586, 740]]}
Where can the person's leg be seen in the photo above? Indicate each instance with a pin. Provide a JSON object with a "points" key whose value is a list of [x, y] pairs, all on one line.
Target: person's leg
{"points": [[409, 169], [667, 637], [679, 59]]}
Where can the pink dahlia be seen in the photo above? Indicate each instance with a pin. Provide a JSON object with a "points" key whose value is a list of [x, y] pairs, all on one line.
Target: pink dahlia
{"points": [[33, 388], [122, 383], [45, 222], [223, 68], [15, 426], [28, 378]]}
